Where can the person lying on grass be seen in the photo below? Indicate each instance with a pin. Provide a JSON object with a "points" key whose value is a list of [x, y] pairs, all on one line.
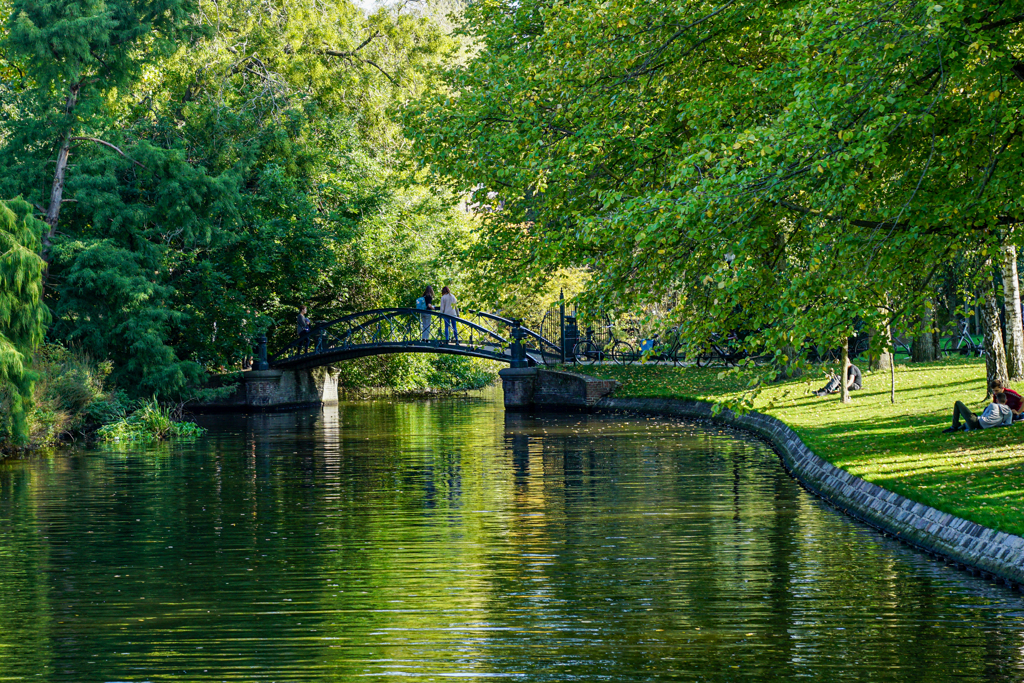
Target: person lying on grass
{"points": [[996, 414], [1013, 399], [853, 377]]}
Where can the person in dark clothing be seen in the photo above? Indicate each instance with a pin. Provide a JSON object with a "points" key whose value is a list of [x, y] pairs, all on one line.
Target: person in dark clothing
{"points": [[302, 327], [854, 378]]}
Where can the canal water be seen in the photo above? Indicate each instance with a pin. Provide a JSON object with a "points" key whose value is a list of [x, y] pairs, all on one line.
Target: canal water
{"points": [[440, 540]]}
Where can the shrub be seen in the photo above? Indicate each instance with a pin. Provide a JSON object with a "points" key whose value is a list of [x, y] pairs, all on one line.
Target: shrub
{"points": [[70, 383], [458, 373]]}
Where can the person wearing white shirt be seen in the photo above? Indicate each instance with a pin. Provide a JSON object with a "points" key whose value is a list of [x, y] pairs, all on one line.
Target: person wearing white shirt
{"points": [[448, 308], [996, 414]]}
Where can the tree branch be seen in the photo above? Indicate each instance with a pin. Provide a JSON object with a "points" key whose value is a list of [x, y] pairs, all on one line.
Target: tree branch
{"points": [[386, 74], [351, 53], [1005, 22], [111, 146]]}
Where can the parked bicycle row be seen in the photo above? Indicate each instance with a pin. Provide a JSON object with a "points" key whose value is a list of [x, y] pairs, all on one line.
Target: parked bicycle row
{"points": [[625, 345]]}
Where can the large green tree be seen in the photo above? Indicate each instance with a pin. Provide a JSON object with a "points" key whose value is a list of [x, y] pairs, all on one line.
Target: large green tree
{"points": [[23, 316], [783, 168], [78, 53], [232, 160]]}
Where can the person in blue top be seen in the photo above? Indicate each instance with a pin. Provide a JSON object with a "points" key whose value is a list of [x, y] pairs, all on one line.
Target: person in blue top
{"points": [[428, 305]]}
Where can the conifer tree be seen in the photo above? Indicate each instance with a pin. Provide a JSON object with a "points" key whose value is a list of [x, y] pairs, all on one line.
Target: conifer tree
{"points": [[76, 52], [23, 316]]}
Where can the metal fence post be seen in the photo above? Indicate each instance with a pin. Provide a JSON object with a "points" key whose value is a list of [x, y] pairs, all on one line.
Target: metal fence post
{"points": [[261, 353], [518, 348], [561, 313]]}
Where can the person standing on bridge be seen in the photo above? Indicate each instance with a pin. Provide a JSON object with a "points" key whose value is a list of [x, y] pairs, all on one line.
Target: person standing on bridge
{"points": [[448, 308], [302, 327], [427, 305]]}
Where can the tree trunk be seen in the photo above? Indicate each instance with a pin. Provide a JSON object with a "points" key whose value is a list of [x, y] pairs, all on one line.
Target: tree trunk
{"points": [[892, 378], [884, 358], [57, 190], [923, 348], [791, 368], [844, 383], [995, 356], [56, 196], [1011, 303]]}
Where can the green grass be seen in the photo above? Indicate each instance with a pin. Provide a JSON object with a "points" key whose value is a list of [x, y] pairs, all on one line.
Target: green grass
{"points": [[977, 475]]}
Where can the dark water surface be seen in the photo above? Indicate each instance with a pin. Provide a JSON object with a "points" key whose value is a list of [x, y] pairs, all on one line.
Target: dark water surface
{"points": [[445, 540]]}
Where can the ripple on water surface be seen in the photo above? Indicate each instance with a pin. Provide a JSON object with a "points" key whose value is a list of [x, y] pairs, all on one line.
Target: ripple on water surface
{"points": [[444, 539]]}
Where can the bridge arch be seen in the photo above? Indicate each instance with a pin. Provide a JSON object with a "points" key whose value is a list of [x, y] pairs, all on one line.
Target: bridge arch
{"points": [[384, 331]]}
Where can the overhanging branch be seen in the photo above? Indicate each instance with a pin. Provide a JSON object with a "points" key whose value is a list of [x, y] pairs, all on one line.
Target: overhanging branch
{"points": [[111, 146]]}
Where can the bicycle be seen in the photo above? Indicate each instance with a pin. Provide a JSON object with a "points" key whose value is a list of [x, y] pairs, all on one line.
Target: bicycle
{"points": [[586, 351], [656, 350], [621, 352], [962, 342], [716, 351]]}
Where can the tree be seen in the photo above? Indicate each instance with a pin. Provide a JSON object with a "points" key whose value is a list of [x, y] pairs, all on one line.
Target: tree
{"points": [[647, 142], [77, 52], [229, 164], [23, 316], [1014, 325], [995, 356]]}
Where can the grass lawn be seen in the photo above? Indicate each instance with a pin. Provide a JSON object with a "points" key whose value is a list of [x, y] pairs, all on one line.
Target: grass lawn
{"points": [[978, 475]]}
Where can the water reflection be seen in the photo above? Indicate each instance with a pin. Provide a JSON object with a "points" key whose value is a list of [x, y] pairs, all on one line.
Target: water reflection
{"points": [[445, 538]]}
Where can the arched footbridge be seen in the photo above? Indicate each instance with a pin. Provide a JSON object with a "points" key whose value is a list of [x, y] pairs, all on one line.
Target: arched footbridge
{"points": [[408, 330]]}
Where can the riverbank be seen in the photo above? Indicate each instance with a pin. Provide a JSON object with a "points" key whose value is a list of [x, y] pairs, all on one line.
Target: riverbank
{"points": [[73, 402], [977, 476]]}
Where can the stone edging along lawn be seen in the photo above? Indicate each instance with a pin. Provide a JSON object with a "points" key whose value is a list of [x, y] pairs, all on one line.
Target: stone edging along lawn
{"points": [[962, 542]]}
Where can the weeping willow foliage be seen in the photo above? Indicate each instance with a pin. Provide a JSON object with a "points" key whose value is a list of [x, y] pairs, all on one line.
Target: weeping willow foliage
{"points": [[23, 316]]}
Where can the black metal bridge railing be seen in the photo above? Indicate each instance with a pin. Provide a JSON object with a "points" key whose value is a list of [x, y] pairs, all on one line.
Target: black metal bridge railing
{"points": [[409, 330]]}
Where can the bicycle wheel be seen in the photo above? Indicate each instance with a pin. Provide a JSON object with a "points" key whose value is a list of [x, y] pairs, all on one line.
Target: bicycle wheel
{"points": [[622, 353], [585, 352], [676, 355], [703, 359]]}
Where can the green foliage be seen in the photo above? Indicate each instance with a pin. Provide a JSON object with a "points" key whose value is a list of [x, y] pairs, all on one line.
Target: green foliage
{"points": [[111, 408], [458, 373], [228, 164], [95, 44], [71, 395], [783, 169], [150, 422], [23, 316], [111, 306]]}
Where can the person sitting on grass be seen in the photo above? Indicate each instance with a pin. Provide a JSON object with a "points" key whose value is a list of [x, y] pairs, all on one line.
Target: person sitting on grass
{"points": [[853, 376], [1013, 399], [996, 414]]}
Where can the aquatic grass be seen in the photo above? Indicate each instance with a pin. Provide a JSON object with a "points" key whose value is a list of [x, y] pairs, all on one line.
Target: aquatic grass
{"points": [[977, 475], [151, 422]]}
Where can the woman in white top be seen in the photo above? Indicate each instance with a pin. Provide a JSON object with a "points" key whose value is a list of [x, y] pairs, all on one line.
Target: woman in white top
{"points": [[448, 308]]}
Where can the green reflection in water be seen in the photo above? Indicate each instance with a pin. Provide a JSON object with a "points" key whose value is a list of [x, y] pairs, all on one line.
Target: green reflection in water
{"points": [[443, 539]]}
